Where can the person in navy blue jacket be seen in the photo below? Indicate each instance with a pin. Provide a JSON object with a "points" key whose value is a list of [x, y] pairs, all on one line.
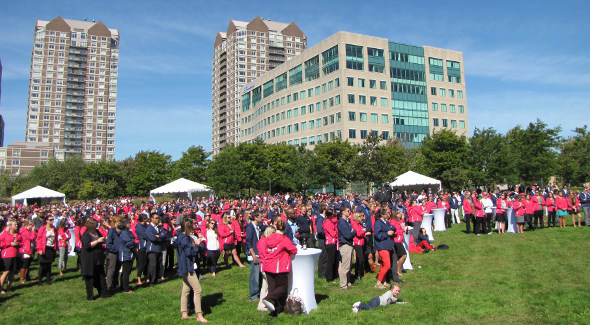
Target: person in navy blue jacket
{"points": [[253, 231], [345, 236], [142, 222], [126, 252], [321, 239], [154, 234], [369, 240], [384, 233], [187, 248], [113, 264]]}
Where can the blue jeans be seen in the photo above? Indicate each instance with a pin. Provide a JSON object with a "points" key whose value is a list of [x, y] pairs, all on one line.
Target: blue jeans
{"points": [[255, 281]]}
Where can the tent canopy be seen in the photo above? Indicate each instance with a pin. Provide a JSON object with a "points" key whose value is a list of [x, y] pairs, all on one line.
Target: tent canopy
{"points": [[181, 185], [38, 192], [412, 179]]}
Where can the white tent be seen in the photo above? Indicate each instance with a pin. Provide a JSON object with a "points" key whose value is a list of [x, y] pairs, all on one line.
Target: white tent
{"points": [[181, 185], [38, 192], [413, 180]]}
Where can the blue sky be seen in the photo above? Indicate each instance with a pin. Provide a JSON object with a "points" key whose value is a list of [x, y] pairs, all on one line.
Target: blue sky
{"points": [[523, 59]]}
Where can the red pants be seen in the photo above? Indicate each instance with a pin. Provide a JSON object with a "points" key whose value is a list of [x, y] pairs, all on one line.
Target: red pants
{"points": [[424, 244], [385, 264]]}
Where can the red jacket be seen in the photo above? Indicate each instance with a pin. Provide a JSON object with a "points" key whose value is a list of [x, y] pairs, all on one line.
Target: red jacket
{"points": [[467, 208], [549, 203], [27, 237], [235, 225], [415, 213], [225, 234], [331, 231], [529, 206], [277, 250], [63, 237], [359, 239], [561, 203], [478, 209], [518, 207], [399, 231], [499, 209], [6, 240], [443, 204], [428, 206], [538, 202], [42, 239]]}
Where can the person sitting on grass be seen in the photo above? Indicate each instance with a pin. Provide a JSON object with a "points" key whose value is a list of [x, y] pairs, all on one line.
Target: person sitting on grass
{"points": [[424, 241], [389, 297]]}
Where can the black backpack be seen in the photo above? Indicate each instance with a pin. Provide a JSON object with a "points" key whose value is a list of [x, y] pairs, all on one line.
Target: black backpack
{"points": [[442, 246]]}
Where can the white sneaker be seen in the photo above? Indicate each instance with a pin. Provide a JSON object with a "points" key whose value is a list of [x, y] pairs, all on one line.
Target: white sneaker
{"points": [[355, 310], [268, 305], [356, 304]]}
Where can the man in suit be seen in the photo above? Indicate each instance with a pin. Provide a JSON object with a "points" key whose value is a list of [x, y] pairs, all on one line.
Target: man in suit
{"points": [[253, 231], [155, 236], [585, 203], [454, 207]]}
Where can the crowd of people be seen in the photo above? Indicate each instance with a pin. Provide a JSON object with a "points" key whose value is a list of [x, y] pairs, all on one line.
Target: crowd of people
{"points": [[356, 234]]}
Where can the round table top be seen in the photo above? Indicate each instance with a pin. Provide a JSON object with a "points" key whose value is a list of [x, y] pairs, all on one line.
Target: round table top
{"points": [[307, 252]]}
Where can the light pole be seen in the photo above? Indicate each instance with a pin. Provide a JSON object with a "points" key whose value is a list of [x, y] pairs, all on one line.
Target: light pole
{"points": [[269, 180]]}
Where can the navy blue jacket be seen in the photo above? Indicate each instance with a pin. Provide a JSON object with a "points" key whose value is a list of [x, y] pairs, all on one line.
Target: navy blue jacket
{"points": [[345, 232], [368, 221], [319, 224], [155, 244], [112, 242], [140, 231], [186, 254], [584, 199], [126, 245], [453, 203], [251, 238], [382, 240]]}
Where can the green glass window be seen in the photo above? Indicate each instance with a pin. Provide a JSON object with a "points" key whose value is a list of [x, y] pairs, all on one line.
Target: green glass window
{"points": [[373, 100], [302, 94], [462, 124], [338, 117], [303, 126], [372, 84], [310, 107], [434, 107], [445, 123], [323, 88], [451, 93], [443, 107], [312, 68], [324, 104], [317, 90], [460, 94], [289, 114], [246, 102], [296, 75], [337, 82], [330, 60], [384, 118], [281, 82], [331, 101], [310, 92], [363, 134], [350, 81], [374, 118], [337, 99], [362, 99], [268, 88], [383, 85], [376, 60], [352, 116], [433, 91], [303, 110], [435, 62], [330, 85], [352, 133], [361, 82], [354, 57], [295, 97], [256, 95], [350, 98], [363, 117], [435, 122], [442, 92], [311, 124], [385, 135], [452, 107], [288, 99], [384, 101], [461, 109], [453, 124], [296, 112]]}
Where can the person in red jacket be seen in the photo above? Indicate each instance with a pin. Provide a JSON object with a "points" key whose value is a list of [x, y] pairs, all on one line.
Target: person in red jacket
{"points": [[278, 250], [331, 232], [501, 206], [574, 208], [46, 247], [538, 213], [480, 224], [519, 212], [63, 244], [10, 242], [468, 210], [227, 239], [415, 213], [529, 207], [358, 243], [28, 235], [400, 227], [549, 204], [561, 205]]}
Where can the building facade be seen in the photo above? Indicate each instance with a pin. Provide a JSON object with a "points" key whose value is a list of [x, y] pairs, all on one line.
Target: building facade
{"points": [[21, 157], [241, 54], [73, 88], [350, 86]]}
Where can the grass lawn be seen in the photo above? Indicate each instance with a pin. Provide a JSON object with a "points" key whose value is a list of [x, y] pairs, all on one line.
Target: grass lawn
{"points": [[536, 277]]}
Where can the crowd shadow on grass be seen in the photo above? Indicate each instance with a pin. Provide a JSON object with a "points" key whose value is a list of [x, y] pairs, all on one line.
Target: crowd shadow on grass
{"points": [[211, 300], [7, 296], [319, 297]]}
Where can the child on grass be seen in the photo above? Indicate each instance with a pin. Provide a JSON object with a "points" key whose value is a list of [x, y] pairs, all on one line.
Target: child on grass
{"points": [[385, 299]]}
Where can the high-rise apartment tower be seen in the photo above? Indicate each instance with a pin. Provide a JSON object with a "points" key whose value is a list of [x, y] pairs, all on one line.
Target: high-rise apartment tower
{"points": [[241, 54]]}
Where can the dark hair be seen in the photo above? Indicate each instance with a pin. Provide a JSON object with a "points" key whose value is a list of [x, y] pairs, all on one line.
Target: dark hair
{"points": [[154, 213], [142, 217], [187, 226], [63, 223], [123, 223], [253, 215], [280, 224], [91, 223], [329, 213]]}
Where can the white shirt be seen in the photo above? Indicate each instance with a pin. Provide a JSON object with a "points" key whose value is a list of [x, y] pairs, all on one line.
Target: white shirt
{"points": [[487, 205], [212, 242]]}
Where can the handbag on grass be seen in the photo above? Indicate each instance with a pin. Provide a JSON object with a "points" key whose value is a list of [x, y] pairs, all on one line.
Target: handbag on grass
{"points": [[294, 304]]}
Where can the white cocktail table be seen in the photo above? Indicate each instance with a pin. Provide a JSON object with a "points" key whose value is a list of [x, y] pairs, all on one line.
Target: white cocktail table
{"points": [[302, 277]]}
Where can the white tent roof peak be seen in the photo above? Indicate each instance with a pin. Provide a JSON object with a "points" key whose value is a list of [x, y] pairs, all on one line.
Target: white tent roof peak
{"points": [[411, 178], [38, 192], [181, 185]]}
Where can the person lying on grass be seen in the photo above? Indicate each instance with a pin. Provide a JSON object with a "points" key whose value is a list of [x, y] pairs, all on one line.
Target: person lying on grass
{"points": [[389, 297]]}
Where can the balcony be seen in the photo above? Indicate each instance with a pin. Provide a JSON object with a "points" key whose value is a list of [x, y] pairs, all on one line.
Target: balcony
{"points": [[76, 79], [70, 99], [77, 65], [78, 50], [75, 92], [77, 72], [80, 58], [74, 114], [70, 128], [75, 86]]}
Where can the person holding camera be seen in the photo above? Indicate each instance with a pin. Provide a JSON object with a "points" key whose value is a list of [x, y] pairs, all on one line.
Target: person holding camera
{"points": [[92, 259]]}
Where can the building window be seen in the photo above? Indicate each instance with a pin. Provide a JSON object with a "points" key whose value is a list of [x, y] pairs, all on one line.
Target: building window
{"points": [[451, 93], [461, 109], [434, 107], [384, 118], [350, 81], [443, 107], [354, 57], [312, 68], [385, 135], [445, 123], [461, 124], [373, 101], [453, 124], [376, 60], [350, 98], [383, 85], [352, 116], [330, 60], [362, 100], [363, 117], [442, 92], [374, 118], [435, 122], [452, 108], [372, 84], [363, 134], [460, 94], [296, 76], [433, 91], [384, 101], [361, 82]]}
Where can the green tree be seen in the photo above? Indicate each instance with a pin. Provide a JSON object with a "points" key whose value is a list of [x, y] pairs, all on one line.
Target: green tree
{"points": [[573, 162], [87, 191], [332, 163], [535, 151], [489, 161], [148, 170], [192, 165], [225, 173], [444, 156], [107, 177]]}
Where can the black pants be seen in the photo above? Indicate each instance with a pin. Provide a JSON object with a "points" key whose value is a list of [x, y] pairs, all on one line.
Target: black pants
{"points": [[528, 218], [489, 221], [393, 269], [538, 216], [169, 262], [212, 257], [551, 219], [359, 264], [127, 266], [469, 219], [142, 270], [278, 285], [154, 267], [448, 219], [307, 239], [323, 260], [44, 272], [332, 262], [96, 281], [479, 227]]}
